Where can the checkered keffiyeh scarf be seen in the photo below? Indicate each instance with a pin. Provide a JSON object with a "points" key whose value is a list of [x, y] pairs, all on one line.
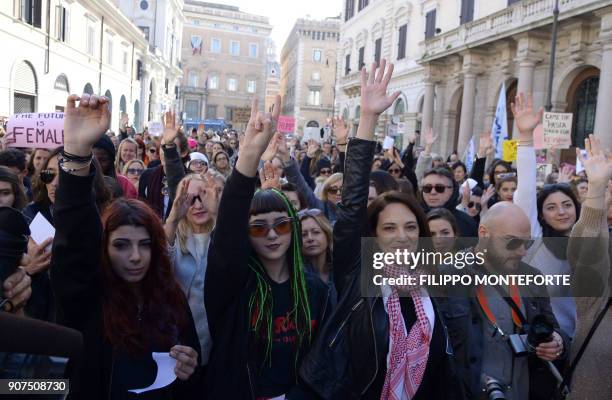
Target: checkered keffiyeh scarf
{"points": [[408, 353]]}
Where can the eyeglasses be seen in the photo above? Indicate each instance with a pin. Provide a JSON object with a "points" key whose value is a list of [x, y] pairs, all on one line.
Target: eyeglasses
{"points": [[334, 189], [325, 171], [437, 188], [312, 212], [134, 171], [473, 204], [47, 176], [515, 243], [262, 229], [394, 171]]}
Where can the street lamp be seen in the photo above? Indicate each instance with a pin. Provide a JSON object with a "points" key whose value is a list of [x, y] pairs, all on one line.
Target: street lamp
{"points": [[553, 51]]}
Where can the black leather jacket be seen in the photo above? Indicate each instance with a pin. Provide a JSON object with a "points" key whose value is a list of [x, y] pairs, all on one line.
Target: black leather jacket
{"points": [[344, 360]]}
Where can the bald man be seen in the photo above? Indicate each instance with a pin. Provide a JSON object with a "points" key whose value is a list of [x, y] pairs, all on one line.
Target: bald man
{"points": [[480, 323]]}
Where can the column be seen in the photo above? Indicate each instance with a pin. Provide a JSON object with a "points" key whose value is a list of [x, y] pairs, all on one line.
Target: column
{"points": [[603, 116], [467, 111], [525, 77], [428, 107]]}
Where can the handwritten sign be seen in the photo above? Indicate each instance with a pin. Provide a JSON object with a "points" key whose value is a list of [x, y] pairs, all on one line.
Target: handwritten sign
{"points": [[36, 130], [156, 128], [285, 124], [510, 148], [557, 130], [241, 115]]}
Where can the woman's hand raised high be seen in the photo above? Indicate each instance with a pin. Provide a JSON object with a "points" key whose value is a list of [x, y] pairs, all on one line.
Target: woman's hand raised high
{"points": [[86, 123]]}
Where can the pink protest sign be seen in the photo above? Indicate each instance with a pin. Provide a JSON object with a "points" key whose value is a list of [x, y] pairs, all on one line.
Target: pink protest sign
{"points": [[285, 124], [36, 130]]}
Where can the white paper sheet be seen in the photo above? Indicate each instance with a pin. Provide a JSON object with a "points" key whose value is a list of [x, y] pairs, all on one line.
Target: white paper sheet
{"points": [[41, 230], [388, 143], [165, 373]]}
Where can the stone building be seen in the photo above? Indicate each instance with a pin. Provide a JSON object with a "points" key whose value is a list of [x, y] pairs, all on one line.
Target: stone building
{"points": [[308, 72], [225, 60], [273, 74]]}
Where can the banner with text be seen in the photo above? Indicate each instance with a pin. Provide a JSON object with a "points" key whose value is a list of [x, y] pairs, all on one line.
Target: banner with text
{"points": [[36, 130], [557, 128]]}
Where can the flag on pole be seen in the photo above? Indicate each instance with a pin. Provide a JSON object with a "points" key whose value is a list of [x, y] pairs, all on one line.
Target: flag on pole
{"points": [[499, 131], [470, 153]]}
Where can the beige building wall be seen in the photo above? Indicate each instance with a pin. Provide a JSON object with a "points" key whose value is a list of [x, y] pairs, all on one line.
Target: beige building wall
{"points": [[224, 53], [308, 72]]}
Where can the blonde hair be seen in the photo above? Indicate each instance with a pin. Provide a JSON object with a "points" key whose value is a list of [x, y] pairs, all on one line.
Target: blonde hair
{"points": [[118, 163], [184, 229], [335, 178], [127, 165], [327, 229]]}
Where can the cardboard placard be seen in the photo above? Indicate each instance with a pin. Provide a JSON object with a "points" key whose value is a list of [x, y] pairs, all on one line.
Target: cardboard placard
{"points": [[285, 124], [156, 128], [36, 130], [241, 115], [557, 129], [510, 149]]}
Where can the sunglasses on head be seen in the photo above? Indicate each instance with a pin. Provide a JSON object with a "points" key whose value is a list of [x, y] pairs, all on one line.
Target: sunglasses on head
{"points": [[134, 171], [325, 171], [312, 212], [515, 243], [472, 204], [437, 188], [334, 189], [47, 176], [262, 229], [504, 175]]}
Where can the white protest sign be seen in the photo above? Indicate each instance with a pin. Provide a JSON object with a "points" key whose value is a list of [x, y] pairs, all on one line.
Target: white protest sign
{"points": [[388, 143], [36, 130], [557, 128], [156, 128]]}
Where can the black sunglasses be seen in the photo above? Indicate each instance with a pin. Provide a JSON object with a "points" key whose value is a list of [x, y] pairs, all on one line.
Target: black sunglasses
{"points": [[135, 171], [474, 204], [394, 171], [47, 176], [437, 188], [515, 243], [334, 189], [325, 171], [152, 150]]}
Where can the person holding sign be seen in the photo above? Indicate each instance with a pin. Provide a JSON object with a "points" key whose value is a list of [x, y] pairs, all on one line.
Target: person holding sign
{"points": [[112, 277]]}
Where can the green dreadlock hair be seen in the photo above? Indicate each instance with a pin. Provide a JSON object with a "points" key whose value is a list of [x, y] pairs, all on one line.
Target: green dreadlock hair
{"points": [[261, 302]]}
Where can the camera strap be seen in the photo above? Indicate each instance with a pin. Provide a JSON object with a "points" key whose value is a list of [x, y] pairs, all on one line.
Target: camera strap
{"points": [[517, 315]]}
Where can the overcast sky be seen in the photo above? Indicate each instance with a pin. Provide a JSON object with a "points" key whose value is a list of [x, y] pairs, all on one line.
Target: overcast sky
{"points": [[284, 13]]}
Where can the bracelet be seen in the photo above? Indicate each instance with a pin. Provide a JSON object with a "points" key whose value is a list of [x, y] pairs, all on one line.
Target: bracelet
{"points": [[73, 157], [62, 164]]}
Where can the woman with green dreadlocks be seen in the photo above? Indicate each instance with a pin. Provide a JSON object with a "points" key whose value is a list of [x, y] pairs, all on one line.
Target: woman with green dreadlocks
{"points": [[263, 310]]}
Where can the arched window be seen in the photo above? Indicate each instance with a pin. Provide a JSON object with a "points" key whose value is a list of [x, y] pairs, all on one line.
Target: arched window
{"points": [[582, 102], [136, 115], [109, 96], [122, 104], [61, 83], [88, 89], [312, 124], [25, 88], [400, 107]]}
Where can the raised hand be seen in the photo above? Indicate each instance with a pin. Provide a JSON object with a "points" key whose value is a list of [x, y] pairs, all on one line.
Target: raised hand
{"points": [[84, 124], [484, 199], [181, 204], [484, 144], [412, 137], [282, 150], [430, 139], [268, 177], [525, 117], [565, 174], [170, 128], [465, 194], [312, 148], [597, 164], [272, 148], [374, 99], [340, 130]]}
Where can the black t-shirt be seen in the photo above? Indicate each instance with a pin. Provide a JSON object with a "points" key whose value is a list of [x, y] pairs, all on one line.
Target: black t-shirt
{"points": [[431, 379]]}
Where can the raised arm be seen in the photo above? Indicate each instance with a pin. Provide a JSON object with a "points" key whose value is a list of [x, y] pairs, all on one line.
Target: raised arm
{"points": [[351, 211], [228, 270], [424, 160], [75, 270], [525, 196], [174, 166]]}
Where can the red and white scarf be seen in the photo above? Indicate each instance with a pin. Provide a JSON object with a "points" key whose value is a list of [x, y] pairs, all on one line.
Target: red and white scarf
{"points": [[408, 353]]}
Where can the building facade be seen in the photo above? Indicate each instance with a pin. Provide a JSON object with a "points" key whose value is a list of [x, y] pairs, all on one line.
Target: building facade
{"points": [[225, 60], [308, 72], [373, 30], [83, 46], [273, 74], [161, 21], [476, 46]]}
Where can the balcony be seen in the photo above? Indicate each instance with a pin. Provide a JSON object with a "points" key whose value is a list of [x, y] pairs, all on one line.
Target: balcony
{"points": [[351, 83], [525, 15], [194, 90], [320, 107]]}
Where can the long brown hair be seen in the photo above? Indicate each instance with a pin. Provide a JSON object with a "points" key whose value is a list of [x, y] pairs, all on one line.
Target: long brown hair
{"points": [[7, 175], [163, 316]]}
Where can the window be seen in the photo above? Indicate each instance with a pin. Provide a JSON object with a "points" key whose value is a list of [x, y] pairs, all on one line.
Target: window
{"points": [[215, 45], [195, 22], [253, 50], [401, 43], [91, 40], [317, 55], [377, 49], [109, 51], [347, 64], [30, 11], [125, 61], [61, 23], [316, 76], [193, 79], [467, 11], [229, 113], [314, 98], [234, 48], [192, 109], [251, 86], [232, 84], [213, 82], [349, 9], [361, 56], [145, 30], [362, 4], [430, 24], [211, 111]]}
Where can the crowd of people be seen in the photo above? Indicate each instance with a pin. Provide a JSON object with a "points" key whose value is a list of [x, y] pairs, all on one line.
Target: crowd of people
{"points": [[240, 255]]}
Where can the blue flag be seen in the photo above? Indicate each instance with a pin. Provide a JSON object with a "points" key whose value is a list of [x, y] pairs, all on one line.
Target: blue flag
{"points": [[499, 131]]}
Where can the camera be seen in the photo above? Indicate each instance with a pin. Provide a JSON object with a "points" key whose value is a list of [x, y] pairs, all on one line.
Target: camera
{"points": [[492, 388], [539, 331], [14, 232]]}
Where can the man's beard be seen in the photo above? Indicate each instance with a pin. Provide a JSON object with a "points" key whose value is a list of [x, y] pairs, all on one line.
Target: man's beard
{"points": [[501, 265]]}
